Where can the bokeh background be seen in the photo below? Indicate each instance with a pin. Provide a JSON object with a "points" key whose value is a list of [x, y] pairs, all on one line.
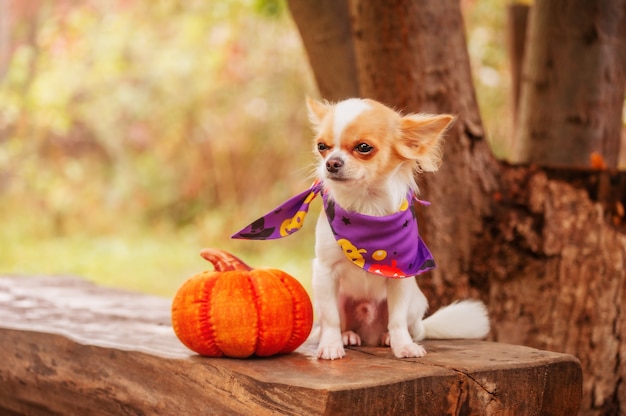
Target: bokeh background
{"points": [[135, 132]]}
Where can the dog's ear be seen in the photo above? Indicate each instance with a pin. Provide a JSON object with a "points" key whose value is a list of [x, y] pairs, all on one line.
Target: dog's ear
{"points": [[420, 139], [317, 111]]}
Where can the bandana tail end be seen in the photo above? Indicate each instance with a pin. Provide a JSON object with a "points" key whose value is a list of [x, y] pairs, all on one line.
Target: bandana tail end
{"points": [[281, 222]]}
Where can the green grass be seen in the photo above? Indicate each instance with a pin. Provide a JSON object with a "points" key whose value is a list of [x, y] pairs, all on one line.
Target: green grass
{"points": [[155, 261]]}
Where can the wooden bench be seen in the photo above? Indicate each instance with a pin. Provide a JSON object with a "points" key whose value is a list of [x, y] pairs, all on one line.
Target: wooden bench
{"points": [[70, 347]]}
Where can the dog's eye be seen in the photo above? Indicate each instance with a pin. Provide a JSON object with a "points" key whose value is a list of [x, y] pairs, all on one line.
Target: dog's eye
{"points": [[363, 148], [322, 147]]}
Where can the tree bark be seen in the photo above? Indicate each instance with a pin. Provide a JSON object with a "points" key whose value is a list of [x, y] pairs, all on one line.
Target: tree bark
{"points": [[545, 249], [573, 83], [556, 273]]}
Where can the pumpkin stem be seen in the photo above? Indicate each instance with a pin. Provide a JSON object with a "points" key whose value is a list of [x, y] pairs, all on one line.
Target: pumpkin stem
{"points": [[223, 261]]}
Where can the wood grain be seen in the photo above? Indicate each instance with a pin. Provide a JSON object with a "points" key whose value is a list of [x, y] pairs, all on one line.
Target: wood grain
{"points": [[70, 347]]}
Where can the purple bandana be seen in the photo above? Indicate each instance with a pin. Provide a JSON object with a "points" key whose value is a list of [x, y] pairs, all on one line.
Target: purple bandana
{"points": [[388, 246]]}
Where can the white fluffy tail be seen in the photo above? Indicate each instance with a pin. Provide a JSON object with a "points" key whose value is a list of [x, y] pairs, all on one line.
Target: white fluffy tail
{"points": [[464, 319]]}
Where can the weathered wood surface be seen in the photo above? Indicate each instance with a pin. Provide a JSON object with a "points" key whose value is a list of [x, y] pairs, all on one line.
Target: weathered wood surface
{"points": [[70, 347]]}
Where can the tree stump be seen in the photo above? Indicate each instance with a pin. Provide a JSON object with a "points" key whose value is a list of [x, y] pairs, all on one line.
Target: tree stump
{"points": [[71, 347]]}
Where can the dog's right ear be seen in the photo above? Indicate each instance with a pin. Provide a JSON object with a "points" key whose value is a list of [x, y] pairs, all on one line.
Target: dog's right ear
{"points": [[317, 111], [421, 139]]}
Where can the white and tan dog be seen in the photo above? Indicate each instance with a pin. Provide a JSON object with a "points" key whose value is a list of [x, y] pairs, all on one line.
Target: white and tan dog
{"points": [[368, 158]]}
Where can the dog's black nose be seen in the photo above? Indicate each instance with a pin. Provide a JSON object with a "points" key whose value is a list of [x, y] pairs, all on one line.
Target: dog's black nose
{"points": [[334, 164]]}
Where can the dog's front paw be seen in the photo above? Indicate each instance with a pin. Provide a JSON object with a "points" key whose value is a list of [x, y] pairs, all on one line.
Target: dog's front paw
{"points": [[331, 351], [411, 350], [351, 338]]}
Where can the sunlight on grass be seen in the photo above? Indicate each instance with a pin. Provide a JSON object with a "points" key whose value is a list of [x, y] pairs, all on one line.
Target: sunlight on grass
{"points": [[153, 261], [119, 171]]}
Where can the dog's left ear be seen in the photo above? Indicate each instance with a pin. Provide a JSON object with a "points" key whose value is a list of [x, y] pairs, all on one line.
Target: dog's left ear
{"points": [[317, 111], [421, 139]]}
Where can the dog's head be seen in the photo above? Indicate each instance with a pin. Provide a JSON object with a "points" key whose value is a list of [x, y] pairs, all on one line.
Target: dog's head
{"points": [[366, 145]]}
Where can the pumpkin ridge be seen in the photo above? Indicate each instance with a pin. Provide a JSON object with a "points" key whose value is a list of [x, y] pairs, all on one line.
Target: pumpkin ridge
{"points": [[302, 312], [234, 315], [275, 323], [207, 331], [255, 302], [189, 317]]}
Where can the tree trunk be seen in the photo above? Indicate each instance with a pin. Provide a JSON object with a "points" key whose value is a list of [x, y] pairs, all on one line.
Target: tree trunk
{"points": [[544, 248], [517, 22], [574, 81], [402, 62], [325, 29]]}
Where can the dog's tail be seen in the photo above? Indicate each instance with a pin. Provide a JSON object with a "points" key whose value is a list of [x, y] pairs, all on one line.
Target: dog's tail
{"points": [[464, 319]]}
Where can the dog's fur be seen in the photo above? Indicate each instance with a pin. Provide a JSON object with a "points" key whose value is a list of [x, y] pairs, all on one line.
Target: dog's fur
{"points": [[368, 158]]}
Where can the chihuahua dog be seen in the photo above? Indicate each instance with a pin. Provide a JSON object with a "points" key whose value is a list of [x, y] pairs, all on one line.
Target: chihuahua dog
{"points": [[368, 158]]}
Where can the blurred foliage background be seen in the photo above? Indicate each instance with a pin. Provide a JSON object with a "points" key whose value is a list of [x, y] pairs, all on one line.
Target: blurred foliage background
{"points": [[135, 132]]}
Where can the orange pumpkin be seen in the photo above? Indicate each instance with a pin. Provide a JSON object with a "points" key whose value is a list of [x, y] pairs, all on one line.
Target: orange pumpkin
{"points": [[237, 311]]}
